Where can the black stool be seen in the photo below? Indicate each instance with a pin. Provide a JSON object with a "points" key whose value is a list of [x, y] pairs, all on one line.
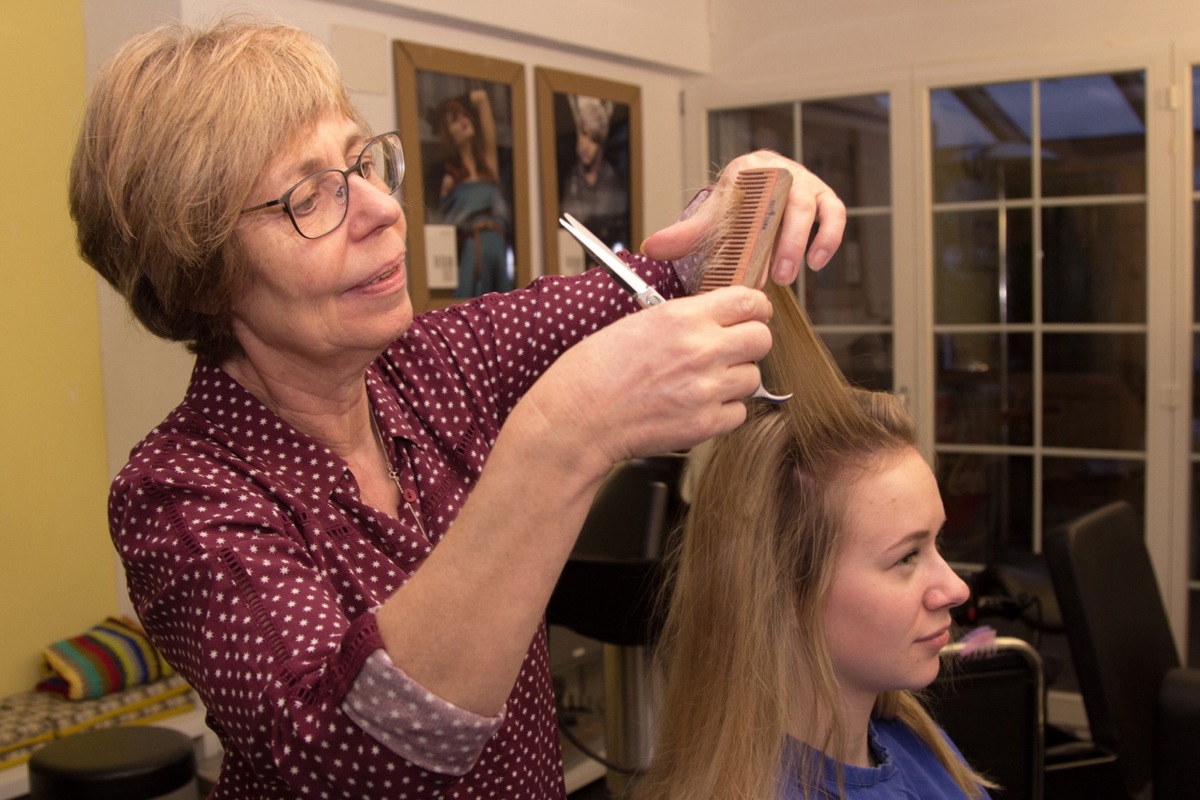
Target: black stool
{"points": [[133, 763]]}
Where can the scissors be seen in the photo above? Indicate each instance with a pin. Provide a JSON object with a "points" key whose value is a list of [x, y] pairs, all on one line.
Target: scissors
{"points": [[645, 294]]}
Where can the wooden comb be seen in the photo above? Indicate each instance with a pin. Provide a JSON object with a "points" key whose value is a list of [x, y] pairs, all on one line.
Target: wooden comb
{"points": [[742, 252]]}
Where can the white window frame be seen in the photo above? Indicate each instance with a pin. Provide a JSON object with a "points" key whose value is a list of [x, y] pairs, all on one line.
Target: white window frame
{"points": [[1168, 265]]}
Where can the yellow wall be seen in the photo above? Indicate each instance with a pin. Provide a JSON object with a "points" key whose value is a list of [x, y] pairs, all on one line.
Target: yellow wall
{"points": [[57, 573]]}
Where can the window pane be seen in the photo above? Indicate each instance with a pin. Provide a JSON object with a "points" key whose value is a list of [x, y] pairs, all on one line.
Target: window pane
{"points": [[1193, 649], [989, 505], [856, 286], [1094, 390], [1194, 572], [1195, 128], [1094, 134], [975, 280], [846, 142], [981, 142], [865, 358], [740, 130], [1095, 263], [1196, 391], [983, 388], [1074, 486], [1196, 262]]}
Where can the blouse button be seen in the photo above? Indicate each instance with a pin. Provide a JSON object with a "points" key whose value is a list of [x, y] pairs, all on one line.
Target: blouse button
{"points": [[410, 495]]}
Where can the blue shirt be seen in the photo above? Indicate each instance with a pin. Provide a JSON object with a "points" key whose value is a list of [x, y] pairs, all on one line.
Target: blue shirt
{"points": [[907, 769]]}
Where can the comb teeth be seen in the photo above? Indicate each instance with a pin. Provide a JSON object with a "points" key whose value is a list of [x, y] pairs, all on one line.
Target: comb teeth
{"points": [[743, 250]]}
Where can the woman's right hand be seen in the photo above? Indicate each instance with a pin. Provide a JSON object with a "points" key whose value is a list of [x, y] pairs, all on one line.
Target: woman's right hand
{"points": [[659, 380]]}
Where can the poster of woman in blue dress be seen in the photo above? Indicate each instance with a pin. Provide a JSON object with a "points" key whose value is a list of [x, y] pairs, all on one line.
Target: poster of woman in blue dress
{"points": [[469, 183]]}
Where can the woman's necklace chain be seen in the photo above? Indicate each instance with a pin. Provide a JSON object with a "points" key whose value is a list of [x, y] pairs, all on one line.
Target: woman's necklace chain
{"points": [[394, 474]]}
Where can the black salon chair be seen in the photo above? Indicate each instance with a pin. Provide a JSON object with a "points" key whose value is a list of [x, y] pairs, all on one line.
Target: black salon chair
{"points": [[1141, 705], [610, 591], [992, 706]]}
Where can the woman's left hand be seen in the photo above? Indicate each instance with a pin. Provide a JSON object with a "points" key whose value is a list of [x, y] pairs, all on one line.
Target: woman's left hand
{"points": [[810, 202]]}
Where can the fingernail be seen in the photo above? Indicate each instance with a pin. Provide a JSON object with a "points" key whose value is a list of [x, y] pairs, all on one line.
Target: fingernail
{"points": [[787, 269], [818, 258]]}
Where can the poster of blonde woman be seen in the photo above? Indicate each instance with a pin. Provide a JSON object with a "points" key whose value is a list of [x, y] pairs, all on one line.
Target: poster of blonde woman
{"points": [[590, 151]]}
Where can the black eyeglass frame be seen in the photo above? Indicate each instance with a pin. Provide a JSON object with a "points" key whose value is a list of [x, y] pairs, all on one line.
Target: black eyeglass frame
{"points": [[357, 167]]}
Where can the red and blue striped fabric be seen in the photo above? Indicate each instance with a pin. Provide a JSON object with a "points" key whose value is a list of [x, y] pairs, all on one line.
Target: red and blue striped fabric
{"points": [[109, 657]]}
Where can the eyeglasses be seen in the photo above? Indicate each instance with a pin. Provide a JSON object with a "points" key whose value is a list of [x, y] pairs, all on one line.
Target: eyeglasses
{"points": [[317, 205]]}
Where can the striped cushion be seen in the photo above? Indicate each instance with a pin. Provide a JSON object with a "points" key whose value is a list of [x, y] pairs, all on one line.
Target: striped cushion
{"points": [[111, 656]]}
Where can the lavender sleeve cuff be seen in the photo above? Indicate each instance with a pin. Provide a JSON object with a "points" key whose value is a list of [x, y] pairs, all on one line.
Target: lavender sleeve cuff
{"points": [[690, 268], [414, 723]]}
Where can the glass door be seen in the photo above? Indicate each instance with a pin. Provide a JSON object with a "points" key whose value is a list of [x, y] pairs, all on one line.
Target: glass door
{"points": [[1039, 221], [847, 141]]}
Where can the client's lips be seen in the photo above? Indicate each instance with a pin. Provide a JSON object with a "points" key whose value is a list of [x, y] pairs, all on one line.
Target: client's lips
{"points": [[939, 638]]}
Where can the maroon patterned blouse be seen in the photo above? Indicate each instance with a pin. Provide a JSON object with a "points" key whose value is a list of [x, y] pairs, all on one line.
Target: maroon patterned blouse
{"points": [[256, 567]]}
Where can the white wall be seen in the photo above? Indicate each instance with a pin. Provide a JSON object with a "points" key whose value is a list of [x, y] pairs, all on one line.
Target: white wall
{"points": [[789, 40], [630, 28]]}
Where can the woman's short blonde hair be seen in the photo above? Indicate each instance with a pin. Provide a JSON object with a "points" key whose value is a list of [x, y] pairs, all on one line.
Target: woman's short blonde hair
{"points": [[179, 125]]}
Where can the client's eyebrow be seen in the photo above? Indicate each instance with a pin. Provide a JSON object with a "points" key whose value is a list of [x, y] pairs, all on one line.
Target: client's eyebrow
{"points": [[916, 537]]}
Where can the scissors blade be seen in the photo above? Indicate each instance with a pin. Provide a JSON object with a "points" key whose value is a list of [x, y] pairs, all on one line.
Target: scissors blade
{"points": [[629, 280]]}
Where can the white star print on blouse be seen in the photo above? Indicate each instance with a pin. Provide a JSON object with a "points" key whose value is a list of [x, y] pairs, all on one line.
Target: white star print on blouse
{"points": [[254, 563]]}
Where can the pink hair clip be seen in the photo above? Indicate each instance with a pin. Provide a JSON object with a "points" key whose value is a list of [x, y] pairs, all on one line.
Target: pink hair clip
{"points": [[979, 641]]}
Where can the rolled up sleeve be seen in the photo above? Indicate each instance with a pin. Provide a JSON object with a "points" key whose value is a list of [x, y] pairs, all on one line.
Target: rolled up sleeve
{"points": [[413, 723]]}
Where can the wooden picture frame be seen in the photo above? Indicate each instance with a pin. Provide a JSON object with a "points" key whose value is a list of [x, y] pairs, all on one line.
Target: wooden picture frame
{"points": [[464, 224], [570, 106]]}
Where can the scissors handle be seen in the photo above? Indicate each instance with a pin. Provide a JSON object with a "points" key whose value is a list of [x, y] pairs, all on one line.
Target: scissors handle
{"points": [[761, 393]]}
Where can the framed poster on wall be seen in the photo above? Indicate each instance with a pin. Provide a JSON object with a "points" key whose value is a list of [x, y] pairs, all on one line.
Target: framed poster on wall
{"points": [[590, 154], [466, 184]]}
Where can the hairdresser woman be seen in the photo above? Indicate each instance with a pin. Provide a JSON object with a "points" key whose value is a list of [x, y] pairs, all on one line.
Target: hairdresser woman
{"points": [[345, 536]]}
